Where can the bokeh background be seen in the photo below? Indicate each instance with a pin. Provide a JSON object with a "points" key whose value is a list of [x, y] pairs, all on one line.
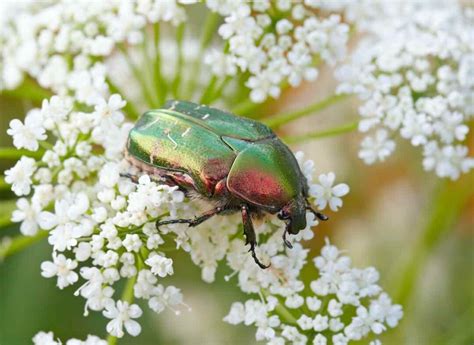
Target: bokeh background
{"points": [[416, 229]]}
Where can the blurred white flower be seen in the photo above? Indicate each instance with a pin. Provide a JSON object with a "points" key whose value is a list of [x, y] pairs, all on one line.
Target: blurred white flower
{"points": [[411, 71], [376, 148], [90, 340], [43, 338]]}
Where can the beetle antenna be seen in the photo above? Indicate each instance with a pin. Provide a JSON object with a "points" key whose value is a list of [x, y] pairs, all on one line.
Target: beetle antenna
{"points": [[317, 214]]}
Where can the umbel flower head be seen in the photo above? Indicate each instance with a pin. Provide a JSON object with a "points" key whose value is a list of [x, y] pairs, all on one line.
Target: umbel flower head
{"points": [[276, 43], [341, 304], [414, 75], [101, 226]]}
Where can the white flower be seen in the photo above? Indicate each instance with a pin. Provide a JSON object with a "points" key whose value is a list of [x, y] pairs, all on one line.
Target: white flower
{"points": [[411, 75], [62, 268], [319, 339], [110, 110], [20, 176], [90, 340], [320, 323], [160, 265], [43, 338], [448, 161], [385, 310], [376, 148], [27, 214], [326, 194], [313, 303], [305, 322], [236, 314], [340, 339], [334, 308], [132, 243], [27, 135], [273, 56], [122, 315], [166, 297]]}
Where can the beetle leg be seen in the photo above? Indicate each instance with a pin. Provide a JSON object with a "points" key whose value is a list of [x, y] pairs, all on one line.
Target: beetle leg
{"points": [[192, 222], [287, 243], [134, 178], [249, 233], [318, 215]]}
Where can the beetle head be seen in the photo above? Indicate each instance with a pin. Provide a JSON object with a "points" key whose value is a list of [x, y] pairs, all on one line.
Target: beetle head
{"points": [[294, 214]]}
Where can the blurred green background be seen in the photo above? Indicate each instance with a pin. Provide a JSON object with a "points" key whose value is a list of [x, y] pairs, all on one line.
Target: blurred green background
{"points": [[416, 229]]}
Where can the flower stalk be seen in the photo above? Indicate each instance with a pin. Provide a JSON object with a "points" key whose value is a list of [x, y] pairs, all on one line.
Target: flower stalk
{"points": [[278, 120], [207, 34], [15, 154], [346, 128], [448, 202]]}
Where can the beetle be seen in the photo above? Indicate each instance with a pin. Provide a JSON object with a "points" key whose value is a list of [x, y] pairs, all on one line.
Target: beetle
{"points": [[235, 163]]}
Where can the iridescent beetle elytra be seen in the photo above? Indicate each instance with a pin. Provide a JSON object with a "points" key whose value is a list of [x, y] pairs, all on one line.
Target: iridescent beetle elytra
{"points": [[237, 164]]}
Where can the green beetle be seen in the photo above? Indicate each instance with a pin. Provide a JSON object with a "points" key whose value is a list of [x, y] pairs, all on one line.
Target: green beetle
{"points": [[235, 163]]}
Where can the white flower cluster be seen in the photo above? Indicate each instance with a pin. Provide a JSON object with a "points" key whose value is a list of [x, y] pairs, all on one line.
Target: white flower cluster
{"points": [[415, 76], [62, 44], [345, 304], [101, 226], [277, 43], [47, 338]]}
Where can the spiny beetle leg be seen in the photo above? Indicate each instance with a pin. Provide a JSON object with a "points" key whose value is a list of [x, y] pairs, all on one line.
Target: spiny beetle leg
{"points": [[287, 243], [250, 237], [257, 261], [134, 178], [317, 214], [191, 222]]}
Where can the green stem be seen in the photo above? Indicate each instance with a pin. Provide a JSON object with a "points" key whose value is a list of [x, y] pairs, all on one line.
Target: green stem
{"points": [[158, 77], [281, 119], [5, 220], [207, 34], [179, 67], [281, 310], [208, 91], [349, 127], [19, 243], [448, 202], [15, 154], [461, 332], [127, 296], [218, 90], [136, 72], [129, 108], [245, 107]]}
